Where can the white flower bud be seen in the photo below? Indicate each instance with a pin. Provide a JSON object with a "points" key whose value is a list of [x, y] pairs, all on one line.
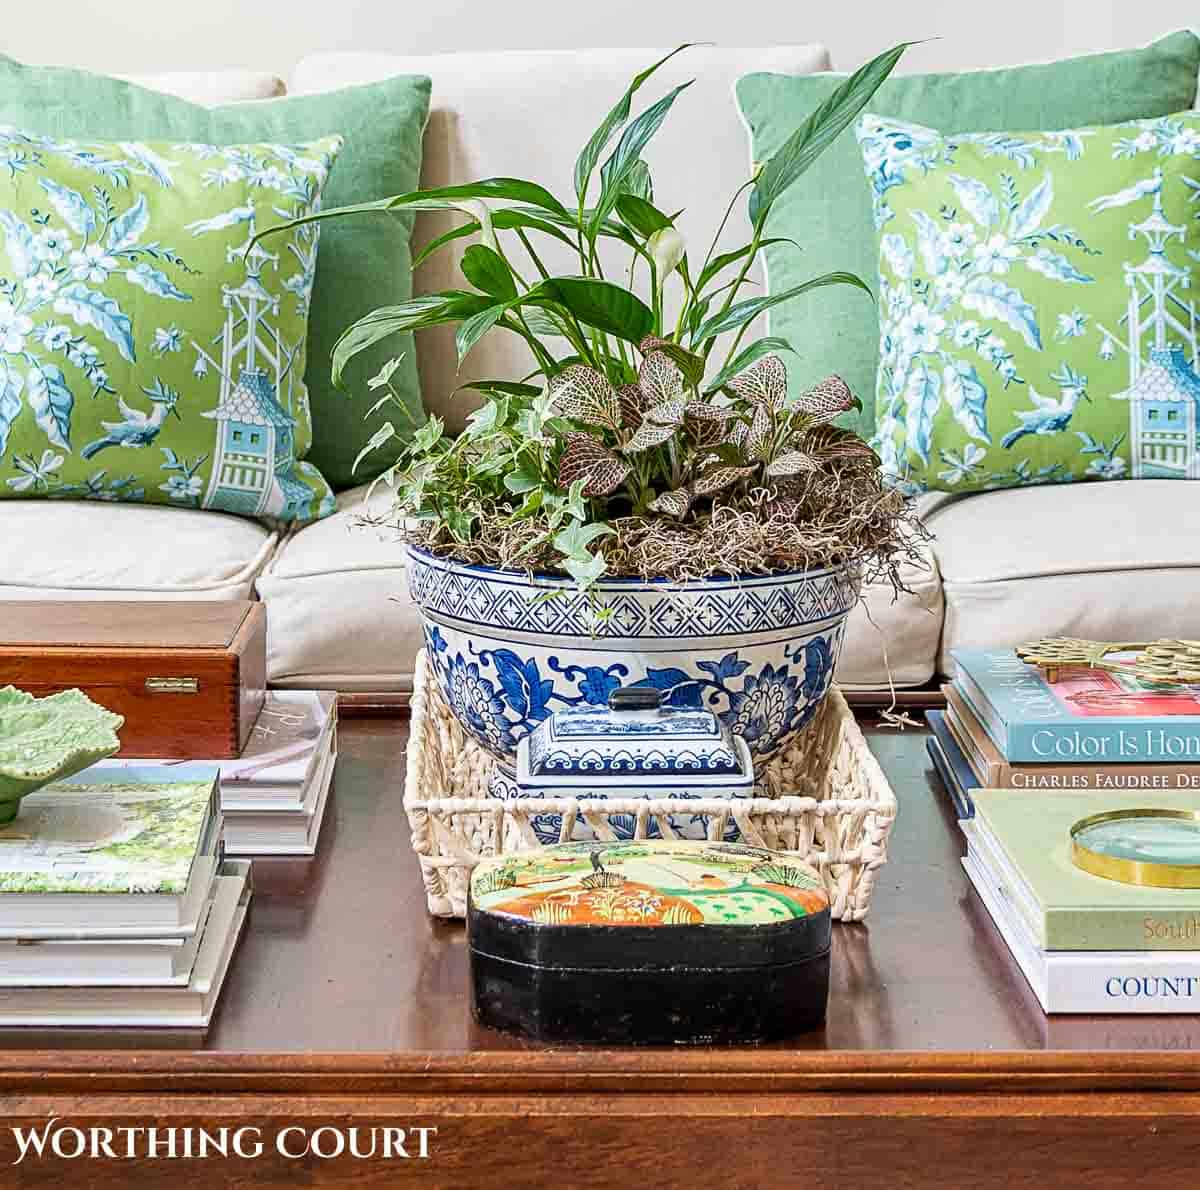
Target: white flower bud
{"points": [[666, 247]]}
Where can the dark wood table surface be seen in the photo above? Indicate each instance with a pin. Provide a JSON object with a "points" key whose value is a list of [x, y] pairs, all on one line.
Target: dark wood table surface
{"points": [[346, 1000]]}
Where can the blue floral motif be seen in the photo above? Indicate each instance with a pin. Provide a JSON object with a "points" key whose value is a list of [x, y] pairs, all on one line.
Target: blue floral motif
{"points": [[763, 708]]}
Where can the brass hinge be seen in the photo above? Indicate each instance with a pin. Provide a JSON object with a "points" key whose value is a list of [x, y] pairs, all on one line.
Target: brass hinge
{"points": [[173, 685]]}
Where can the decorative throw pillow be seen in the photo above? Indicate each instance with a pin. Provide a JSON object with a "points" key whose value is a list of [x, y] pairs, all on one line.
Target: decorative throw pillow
{"points": [[364, 263], [1038, 322], [828, 211], [147, 353]]}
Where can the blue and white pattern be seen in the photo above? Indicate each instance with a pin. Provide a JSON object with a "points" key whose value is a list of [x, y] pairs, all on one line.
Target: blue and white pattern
{"points": [[509, 650]]}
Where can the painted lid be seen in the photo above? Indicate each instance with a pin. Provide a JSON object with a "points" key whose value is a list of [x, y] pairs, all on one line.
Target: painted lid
{"points": [[649, 902], [634, 737]]}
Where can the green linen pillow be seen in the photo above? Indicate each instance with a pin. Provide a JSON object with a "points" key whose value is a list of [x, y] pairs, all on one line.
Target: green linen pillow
{"points": [[147, 353], [1038, 322], [363, 263], [828, 211]]}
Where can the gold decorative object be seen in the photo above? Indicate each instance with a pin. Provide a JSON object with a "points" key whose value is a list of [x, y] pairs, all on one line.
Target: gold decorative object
{"points": [[1164, 662], [1153, 848]]}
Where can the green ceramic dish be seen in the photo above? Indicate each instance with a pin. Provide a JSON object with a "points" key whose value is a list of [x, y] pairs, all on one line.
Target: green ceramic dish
{"points": [[47, 739]]}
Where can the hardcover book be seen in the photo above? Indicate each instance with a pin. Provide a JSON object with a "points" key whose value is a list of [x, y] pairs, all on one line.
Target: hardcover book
{"points": [[283, 758], [110, 850], [1091, 981], [951, 765], [1087, 715], [189, 1005], [1065, 907], [993, 771]]}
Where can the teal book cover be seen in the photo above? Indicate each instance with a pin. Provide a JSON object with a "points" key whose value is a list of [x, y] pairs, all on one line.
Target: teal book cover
{"points": [[1085, 716]]}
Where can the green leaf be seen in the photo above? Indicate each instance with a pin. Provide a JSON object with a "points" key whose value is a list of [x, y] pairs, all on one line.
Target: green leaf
{"points": [[744, 358], [457, 233], [506, 189], [448, 306], [641, 215], [573, 541], [502, 388], [474, 328], [718, 263], [601, 304], [821, 128], [485, 269], [615, 171], [487, 418], [599, 139], [384, 434], [741, 313], [688, 362], [524, 479], [585, 571], [639, 183]]}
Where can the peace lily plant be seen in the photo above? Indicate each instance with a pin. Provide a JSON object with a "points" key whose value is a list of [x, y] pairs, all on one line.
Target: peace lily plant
{"points": [[633, 447]]}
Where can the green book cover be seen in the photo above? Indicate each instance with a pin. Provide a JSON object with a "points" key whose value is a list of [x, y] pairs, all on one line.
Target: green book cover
{"points": [[1070, 909], [138, 833]]}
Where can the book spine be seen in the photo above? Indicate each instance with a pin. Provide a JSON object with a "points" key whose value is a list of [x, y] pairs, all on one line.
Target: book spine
{"points": [[1122, 929], [1141, 742], [1124, 984]]}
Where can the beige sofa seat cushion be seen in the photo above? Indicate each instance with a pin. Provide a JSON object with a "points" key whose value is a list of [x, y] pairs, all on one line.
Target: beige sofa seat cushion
{"points": [[97, 550], [211, 87], [1106, 561], [527, 114], [338, 612]]}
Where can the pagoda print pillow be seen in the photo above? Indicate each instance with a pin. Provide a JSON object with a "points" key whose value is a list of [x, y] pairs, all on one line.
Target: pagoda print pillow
{"points": [[1038, 317], [147, 352]]}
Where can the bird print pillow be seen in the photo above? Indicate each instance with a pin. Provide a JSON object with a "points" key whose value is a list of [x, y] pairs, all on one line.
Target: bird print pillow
{"points": [[148, 352], [1038, 317]]}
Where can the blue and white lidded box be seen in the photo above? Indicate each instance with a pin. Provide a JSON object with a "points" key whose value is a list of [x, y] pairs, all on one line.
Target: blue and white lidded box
{"points": [[633, 748]]}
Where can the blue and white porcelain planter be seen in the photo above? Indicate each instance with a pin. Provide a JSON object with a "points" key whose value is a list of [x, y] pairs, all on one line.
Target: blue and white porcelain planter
{"points": [[509, 649]]}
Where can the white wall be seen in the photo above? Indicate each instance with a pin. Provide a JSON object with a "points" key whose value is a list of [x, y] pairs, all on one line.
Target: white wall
{"points": [[154, 35]]}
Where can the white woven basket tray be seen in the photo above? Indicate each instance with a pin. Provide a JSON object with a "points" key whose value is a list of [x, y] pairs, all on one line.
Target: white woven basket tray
{"points": [[825, 800]]}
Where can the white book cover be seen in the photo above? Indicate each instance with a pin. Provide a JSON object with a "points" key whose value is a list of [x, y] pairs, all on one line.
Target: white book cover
{"points": [[280, 832], [294, 731], [124, 962], [186, 1007], [1087, 981]]}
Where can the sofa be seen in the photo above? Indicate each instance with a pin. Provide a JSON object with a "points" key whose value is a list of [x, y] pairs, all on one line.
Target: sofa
{"points": [[1110, 561]]}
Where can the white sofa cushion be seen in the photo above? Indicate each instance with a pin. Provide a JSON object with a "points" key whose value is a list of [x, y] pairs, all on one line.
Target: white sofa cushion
{"points": [[338, 612], [97, 550], [211, 87], [527, 114], [1105, 561]]}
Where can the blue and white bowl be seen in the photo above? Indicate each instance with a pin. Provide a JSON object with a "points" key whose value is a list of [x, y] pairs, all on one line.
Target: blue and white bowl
{"points": [[509, 648]]}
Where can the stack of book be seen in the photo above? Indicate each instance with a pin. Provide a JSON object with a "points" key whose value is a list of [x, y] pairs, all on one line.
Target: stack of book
{"points": [[117, 907], [1006, 726], [273, 797], [1084, 943], [1024, 760]]}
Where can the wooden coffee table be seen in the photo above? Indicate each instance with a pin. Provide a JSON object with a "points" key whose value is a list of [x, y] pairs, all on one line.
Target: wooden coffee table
{"points": [[348, 1004]]}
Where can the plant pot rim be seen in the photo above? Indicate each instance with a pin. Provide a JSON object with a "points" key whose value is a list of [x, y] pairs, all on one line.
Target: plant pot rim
{"points": [[542, 577]]}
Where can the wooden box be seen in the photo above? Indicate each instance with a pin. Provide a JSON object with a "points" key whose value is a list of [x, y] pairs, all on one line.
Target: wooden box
{"points": [[649, 942], [189, 677]]}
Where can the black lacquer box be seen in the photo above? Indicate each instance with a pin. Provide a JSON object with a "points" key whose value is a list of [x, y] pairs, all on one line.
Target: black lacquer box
{"points": [[649, 942]]}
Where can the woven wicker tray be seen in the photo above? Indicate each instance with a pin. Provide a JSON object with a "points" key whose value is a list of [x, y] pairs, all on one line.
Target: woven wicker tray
{"points": [[825, 799]]}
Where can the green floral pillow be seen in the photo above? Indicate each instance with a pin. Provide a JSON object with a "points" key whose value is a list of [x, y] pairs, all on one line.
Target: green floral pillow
{"points": [[1038, 321], [145, 354]]}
